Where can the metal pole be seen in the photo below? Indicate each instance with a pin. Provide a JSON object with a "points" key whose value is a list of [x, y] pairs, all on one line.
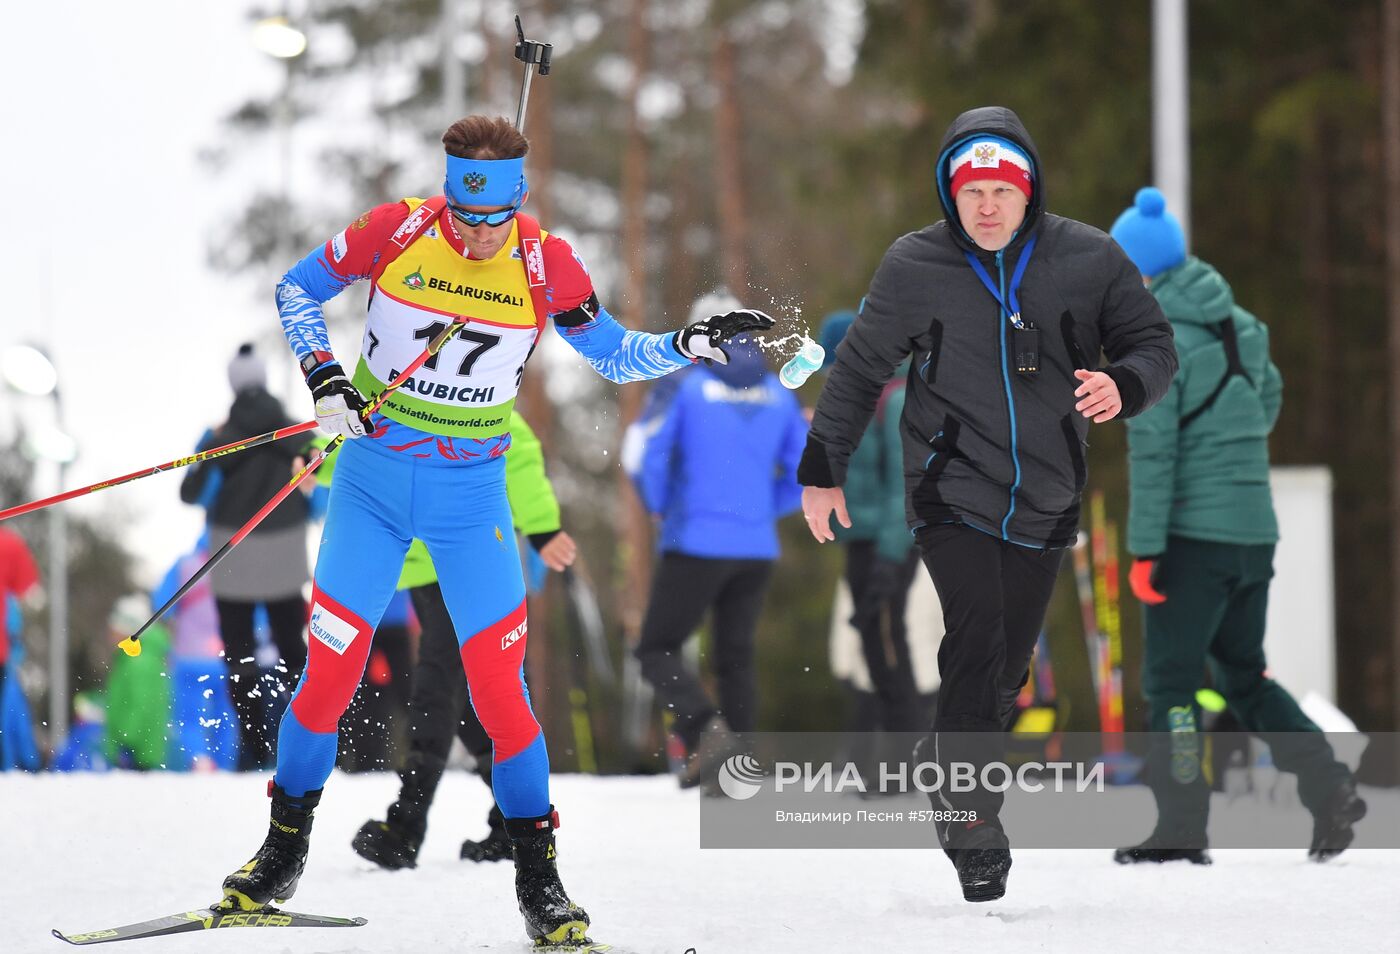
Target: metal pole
{"points": [[284, 246], [524, 96], [58, 610], [1171, 109], [454, 71]]}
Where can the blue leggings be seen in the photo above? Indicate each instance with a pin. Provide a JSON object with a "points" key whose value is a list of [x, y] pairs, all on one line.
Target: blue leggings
{"points": [[380, 500]]}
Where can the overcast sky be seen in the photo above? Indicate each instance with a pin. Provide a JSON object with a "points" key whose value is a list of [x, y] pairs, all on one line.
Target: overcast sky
{"points": [[107, 219]]}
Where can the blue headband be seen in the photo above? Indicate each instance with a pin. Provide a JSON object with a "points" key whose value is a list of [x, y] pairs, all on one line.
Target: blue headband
{"points": [[485, 182]]}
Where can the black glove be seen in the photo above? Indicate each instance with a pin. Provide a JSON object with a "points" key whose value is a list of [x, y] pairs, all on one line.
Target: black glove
{"points": [[340, 409], [701, 341]]}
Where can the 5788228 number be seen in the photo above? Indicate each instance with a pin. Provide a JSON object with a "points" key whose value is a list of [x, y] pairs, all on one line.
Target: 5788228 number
{"points": [[942, 815]]}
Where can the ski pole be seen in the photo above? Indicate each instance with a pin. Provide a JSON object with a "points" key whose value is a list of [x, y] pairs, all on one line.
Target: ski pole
{"points": [[590, 621], [233, 448], [132, 644]]}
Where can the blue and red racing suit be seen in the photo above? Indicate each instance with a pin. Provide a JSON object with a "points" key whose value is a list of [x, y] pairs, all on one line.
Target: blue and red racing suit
{"points": [[432, 468]]}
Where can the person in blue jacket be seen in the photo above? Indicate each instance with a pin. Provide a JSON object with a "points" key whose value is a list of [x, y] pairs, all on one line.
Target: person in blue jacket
{"points": [[720, 427]]}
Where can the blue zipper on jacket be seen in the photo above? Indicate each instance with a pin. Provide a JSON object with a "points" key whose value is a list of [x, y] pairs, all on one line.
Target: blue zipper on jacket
{"points": [[1010, 401]]}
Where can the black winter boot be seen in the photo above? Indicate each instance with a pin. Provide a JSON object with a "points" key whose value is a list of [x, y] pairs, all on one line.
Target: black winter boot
{"points": [[496, 846], [982, 860], [1332, 826], [389, 846], [273, 872], [393, 843], [717, 743], [550, 917], [1159, 849]]}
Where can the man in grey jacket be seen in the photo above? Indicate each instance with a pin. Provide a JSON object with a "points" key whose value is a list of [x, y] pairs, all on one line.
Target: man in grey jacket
{"points": [[1006, 310]]}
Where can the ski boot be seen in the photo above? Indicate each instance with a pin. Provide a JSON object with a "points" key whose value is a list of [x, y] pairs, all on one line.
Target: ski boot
{"points": [[273, 872], [550, 917], [1332, 826], [1158, 849], [496, 846]]}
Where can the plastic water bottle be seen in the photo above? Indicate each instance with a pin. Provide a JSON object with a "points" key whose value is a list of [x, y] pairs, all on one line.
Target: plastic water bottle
{"points": [[799, 368]]}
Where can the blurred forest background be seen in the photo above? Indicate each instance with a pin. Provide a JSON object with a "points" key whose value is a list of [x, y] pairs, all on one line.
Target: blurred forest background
{"points": [[778, 147]]}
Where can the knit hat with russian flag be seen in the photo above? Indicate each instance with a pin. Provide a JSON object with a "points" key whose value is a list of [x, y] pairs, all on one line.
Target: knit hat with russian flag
{"points": [[990, 157]]}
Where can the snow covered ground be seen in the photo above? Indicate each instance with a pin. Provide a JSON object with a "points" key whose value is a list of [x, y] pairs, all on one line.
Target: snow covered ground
{"points": [[81, 852]]}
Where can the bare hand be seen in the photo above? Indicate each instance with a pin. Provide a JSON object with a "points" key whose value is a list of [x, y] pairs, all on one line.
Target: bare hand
{"points": [[817, 505], [307, 487], [560, 552], [1099, 396]]}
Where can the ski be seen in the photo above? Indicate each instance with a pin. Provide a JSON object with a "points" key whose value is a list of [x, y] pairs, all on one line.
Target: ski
{"points": [[207, 919]]}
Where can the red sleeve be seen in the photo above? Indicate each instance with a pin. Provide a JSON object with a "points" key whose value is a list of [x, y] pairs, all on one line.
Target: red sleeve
{"points": [[567, 284], [352, 252], [18, 574]]}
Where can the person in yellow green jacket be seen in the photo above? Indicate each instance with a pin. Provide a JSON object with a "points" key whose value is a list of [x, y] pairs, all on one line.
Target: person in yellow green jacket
{"points": [[438, 705]]}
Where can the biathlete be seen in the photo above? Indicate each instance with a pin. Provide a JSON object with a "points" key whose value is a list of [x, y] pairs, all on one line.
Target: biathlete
{"points": [[429, 465]]}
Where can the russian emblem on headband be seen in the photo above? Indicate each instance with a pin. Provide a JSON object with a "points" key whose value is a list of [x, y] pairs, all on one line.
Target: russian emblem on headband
{"points": [[984, 154], [475, 182]]}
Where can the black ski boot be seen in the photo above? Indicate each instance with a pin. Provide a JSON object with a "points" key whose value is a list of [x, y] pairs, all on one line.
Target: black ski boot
{"points": [[550, 917], [1332, 826], [272, 874], [982, 860], [1159, 849], [495, 846]]}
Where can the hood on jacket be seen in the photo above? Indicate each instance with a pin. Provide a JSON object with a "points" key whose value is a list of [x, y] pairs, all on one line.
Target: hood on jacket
{"points": [[1193, 292], [984, 121], [746, 366], [255, 410]]}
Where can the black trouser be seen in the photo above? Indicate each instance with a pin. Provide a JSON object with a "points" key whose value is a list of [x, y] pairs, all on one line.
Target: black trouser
{"points": [[683, 589], [259, 702], [879, 619], [374, 727], [994, 597], [1217, 600], [438, 709]]}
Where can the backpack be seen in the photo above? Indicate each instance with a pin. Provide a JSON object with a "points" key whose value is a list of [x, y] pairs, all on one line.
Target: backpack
{"points": [[1225, 331]]}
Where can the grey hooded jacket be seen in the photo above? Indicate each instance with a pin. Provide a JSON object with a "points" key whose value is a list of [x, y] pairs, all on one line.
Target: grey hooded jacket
{"points": [[984, 445]]}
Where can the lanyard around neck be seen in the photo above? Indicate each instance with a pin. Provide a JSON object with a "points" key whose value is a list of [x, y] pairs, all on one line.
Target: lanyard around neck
{"points": [[1012, 311]]}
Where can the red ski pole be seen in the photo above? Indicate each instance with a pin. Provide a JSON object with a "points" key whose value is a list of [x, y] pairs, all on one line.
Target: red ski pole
{"points": [[233, 448], [132, 644]]}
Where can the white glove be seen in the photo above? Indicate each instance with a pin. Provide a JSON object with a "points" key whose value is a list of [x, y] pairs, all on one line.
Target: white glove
{"points": [[340, 409]]}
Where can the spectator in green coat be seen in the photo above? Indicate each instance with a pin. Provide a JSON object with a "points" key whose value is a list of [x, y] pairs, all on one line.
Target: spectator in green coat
{"points": [[1202, 531], [138, 692]]}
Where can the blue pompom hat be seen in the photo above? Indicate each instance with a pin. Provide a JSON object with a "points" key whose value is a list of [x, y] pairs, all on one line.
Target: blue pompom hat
{"points": [[1150, 234], [833, 330]]}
